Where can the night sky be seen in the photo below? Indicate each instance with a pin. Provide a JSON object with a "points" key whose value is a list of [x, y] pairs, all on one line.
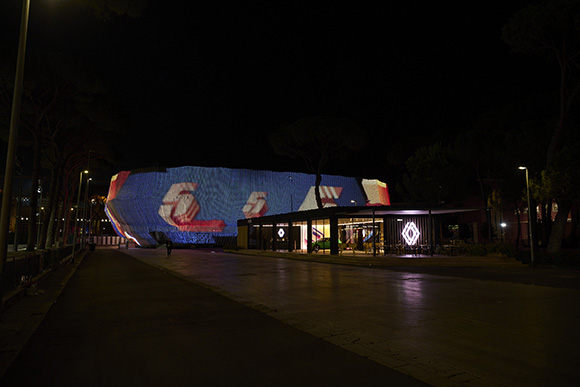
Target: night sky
{"points": [[203, 84]]}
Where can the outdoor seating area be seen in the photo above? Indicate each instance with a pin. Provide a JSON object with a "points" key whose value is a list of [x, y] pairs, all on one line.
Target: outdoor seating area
{"points": [[390, 250]]}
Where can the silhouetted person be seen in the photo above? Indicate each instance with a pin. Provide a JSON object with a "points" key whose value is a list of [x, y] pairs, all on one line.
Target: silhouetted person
{"points": [[169, 246]]}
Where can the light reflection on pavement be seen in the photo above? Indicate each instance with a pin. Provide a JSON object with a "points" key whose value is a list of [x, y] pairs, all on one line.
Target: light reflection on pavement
{"points": [[445, 331]]}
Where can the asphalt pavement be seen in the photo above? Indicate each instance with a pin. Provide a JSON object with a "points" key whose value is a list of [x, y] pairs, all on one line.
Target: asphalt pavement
{"points": [[112, 320], [504, 269]]}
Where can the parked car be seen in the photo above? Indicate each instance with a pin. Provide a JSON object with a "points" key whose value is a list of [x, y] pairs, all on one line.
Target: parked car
{"points": [[322, 243]]}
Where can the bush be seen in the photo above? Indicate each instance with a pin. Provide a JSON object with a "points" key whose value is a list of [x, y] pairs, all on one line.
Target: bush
{"points": [[501, 249], [477, 250], [481, 250]]}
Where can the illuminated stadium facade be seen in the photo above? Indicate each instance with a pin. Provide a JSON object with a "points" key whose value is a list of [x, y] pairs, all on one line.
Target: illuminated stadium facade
{"points": [[201, 206]]}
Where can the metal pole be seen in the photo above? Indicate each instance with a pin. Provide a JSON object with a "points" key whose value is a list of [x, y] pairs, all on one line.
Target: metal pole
{"points": [[430, 234], [374, 236], [85, 201], [18, 207], [12, 140], [39, 222], [77, 216], [84, 235]]}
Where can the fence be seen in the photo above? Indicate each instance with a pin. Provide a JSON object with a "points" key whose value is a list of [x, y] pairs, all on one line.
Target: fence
{"points": [[20, 269], [108, 240]]}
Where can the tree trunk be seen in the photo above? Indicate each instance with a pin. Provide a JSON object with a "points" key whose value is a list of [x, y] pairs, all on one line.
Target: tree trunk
{"points": [[60, 212], [548, 224], [52, 234], [519, 234], [48, 220], [317, 190], [67, 204], [558, 228], [32, 233], [533, 221], [49, 240], [574, 237]]}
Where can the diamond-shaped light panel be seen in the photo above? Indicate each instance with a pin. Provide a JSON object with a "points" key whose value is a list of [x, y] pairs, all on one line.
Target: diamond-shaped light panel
{"points": [[281, 233], [411, 233]]}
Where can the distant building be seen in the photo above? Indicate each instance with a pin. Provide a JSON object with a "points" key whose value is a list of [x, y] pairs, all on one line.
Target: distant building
{"points": [[201, 206]]}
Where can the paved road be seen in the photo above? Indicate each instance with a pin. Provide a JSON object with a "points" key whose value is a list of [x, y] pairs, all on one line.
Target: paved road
{"points": [[120, 322], [443, 330]]}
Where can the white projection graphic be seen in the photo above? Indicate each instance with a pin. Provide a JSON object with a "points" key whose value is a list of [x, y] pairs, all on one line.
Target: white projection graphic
{"points": [[327, 194], [411, 233], [179, 204], [256, 205]]}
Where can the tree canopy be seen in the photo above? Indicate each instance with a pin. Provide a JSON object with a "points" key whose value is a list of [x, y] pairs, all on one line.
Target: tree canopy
{"points": [[551, 29], [318, 141]]}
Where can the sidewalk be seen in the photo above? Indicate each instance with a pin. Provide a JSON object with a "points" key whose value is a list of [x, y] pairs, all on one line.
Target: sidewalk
{"points": [[24, 315], [121, 322]]}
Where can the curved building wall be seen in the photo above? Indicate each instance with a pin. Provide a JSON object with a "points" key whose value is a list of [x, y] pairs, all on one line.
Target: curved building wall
{"points": [[197, 205]]}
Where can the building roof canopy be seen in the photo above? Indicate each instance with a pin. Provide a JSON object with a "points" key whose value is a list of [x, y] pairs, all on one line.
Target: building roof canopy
{"points": [[360, 211]]}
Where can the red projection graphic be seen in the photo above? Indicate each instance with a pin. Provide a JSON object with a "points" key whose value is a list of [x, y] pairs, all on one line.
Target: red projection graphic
{"points": [[180, 208], [117, 182], [256, 205], [377, 193]]}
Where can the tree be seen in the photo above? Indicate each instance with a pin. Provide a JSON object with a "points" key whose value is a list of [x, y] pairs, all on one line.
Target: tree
{"points": [[105, 9], [565, 188], [318, 141], [433, 176], [64, 115], [552, 29]]}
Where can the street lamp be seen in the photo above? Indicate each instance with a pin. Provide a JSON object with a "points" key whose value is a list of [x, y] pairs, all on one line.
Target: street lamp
{"points": [[86, 204], [529, 219], [12, 139], [77, 213]]}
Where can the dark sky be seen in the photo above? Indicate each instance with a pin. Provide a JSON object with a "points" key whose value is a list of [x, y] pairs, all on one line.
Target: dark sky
{"points": [[204, 84]]}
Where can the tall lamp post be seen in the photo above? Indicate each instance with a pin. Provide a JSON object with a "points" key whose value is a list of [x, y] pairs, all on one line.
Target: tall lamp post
{"points": [[84, 238], [77, 213], [12, 139], [529, 218]]}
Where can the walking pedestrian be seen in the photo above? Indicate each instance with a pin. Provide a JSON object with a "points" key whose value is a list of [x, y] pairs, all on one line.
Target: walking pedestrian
{"points": [[169, 246]]}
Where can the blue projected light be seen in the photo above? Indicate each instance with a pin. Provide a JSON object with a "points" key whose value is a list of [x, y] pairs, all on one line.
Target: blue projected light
{"points": [[197, 205]]}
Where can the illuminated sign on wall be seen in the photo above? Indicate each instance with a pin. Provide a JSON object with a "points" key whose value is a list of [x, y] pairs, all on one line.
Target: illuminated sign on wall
{"points": [[411, 233]]}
